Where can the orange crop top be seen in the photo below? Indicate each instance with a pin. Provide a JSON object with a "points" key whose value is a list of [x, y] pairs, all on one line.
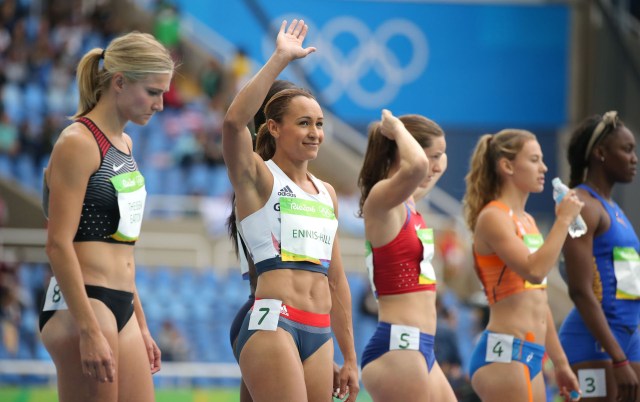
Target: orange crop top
{"points": [[498, 280]]}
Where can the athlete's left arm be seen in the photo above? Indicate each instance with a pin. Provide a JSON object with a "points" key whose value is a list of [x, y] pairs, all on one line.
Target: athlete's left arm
{"points": [[153, 351], [341, 319], [565, 377]]}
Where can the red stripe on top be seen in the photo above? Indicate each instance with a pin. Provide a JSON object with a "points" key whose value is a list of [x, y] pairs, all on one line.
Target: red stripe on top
{"points": [[304, 317], [101, 139]]}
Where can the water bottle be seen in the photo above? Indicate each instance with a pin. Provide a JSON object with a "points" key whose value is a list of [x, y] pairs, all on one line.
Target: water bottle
{"points": [[578, 227]]}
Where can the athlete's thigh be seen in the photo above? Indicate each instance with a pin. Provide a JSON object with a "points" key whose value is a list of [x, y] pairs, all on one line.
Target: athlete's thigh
{"points": [[61, 339], [318, 373], [439, 388], [636, 368], [245, 396], [398, 375], [134, 382], [538, 388], [502, 382], [271, 367]]}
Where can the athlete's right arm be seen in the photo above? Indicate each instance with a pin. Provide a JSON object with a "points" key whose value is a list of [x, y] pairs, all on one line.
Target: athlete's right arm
{"points": [[495, 229], [413, 169], [73, 159], [243, 165]]}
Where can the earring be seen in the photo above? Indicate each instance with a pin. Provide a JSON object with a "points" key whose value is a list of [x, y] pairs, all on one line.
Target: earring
{"points": [[602, 159]]}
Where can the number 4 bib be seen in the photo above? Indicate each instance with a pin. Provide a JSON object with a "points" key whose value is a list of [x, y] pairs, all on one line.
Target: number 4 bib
{"points": [[499, 348]]}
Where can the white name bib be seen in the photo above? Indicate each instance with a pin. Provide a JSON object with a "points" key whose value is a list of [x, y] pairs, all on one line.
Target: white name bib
{"points": [[533, 243], [626, 264], [368, 262], [308, 229], [427, 273], [131, 197]]}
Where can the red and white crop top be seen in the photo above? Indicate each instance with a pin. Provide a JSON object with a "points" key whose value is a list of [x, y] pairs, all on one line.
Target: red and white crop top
{"points": [[404, 264]]}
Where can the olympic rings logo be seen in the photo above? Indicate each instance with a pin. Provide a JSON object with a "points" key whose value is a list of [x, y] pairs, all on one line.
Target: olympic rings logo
{"points": [[344, 67]]}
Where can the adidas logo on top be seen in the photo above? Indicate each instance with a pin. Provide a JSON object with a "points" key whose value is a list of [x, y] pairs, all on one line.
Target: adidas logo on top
{"points": [[286, 192]]}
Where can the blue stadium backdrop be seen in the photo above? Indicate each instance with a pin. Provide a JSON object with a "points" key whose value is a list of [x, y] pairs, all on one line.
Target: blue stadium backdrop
{"points": [[472, 68]]}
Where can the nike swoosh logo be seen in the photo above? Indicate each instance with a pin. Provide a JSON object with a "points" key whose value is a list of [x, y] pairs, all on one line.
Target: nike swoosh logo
{"points": [[116, 168]]}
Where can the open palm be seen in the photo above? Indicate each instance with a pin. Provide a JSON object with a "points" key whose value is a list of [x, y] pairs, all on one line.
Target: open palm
{"points": [[289, 41]]}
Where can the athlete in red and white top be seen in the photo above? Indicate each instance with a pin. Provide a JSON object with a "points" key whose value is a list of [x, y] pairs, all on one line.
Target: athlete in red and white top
{"points": [[405, 156]]}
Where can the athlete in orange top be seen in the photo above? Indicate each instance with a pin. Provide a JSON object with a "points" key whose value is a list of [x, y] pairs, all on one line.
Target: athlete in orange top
{"points": [[500, 281], [507, 167]]}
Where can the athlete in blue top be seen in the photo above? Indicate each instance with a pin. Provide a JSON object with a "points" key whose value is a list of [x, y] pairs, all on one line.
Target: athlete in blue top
{"points": [[600, 335]]}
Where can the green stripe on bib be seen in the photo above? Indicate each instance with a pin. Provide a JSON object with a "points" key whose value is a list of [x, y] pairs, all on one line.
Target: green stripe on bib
{"points": [[314, 209], [128, 182]]}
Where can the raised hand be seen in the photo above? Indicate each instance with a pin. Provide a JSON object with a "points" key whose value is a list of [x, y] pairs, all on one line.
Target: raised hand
{"points": [[390, 125], [570, 206], [289, 40]]}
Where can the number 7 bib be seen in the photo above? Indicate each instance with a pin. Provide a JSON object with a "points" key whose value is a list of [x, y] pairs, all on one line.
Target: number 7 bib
{"points": [[265, 315]]}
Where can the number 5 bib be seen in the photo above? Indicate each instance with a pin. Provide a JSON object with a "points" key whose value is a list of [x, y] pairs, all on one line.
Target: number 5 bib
{"points": [[404, 337], [308, 229]]}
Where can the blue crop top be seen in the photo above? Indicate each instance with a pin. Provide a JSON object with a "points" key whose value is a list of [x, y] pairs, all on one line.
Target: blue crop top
{"points": [[620, 234]]}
